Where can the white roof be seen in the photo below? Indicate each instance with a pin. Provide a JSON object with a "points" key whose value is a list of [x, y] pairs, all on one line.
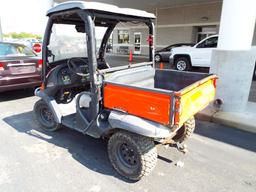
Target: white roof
{"points": [[99, 7]]}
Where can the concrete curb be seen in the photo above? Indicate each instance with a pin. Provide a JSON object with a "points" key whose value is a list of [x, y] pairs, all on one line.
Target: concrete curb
{"points": [[245, 121]]}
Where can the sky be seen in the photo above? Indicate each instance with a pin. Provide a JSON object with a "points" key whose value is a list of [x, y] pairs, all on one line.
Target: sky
{"points": [[24, 15], [27, 16]]}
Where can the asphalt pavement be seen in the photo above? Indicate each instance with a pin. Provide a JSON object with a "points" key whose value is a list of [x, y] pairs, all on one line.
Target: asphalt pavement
{"points": [[219, 158]]}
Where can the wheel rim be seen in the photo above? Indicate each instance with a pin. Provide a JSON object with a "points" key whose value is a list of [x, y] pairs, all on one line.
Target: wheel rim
{"points": [[128, 156], [47, 116], [157, 58], [181, 65]]}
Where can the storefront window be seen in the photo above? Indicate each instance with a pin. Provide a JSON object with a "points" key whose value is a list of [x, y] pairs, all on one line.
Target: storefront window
{"points": [[123, 36]]}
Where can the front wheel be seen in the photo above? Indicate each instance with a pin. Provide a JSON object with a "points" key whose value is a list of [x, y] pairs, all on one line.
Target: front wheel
{"points": [[44, 116], [133, 156], [182, 64]]}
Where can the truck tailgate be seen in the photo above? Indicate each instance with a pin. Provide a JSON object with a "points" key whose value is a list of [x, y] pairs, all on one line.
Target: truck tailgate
{"points": [[194, 98]]}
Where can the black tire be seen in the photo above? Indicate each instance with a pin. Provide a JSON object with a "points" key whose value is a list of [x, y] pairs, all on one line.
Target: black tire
{"points": [[185, 131], [158, 58], [44, 116], [182, 64], [133, 156]]}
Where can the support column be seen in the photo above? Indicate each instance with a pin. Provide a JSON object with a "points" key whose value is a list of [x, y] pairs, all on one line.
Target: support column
{"points": [[233, 61]]}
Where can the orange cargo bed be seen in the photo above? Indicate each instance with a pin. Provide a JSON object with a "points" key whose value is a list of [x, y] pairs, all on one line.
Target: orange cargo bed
{"points": [[164, 96]]}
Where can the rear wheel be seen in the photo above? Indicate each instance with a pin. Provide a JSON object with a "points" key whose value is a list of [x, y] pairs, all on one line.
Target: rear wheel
{"points": [[45, 117], [185, 131], [133, 156], [182, 64]]}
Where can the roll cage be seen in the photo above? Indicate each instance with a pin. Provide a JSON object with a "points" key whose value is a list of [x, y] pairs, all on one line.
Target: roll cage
{"points": [[87, 20]]}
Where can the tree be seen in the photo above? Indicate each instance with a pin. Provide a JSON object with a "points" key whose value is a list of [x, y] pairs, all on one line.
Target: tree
{"points": [[22, 35]]}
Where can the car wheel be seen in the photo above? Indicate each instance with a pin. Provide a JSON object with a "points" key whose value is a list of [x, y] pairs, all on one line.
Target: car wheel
{"points": [[45, 117], [182, 64], [185, 131], [158, 58], [133, 156]]}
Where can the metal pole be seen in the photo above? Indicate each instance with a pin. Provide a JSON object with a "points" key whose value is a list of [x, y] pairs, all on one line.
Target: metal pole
{"points": [[156, 26]]}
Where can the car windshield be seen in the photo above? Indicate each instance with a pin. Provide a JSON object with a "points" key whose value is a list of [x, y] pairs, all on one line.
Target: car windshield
{"points": [[9, 50]]}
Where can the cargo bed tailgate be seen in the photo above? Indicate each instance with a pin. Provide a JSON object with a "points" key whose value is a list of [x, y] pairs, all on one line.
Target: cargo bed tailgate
{"points": [[194, 98]]}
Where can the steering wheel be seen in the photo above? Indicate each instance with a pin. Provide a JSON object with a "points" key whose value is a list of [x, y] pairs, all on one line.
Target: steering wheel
{"points": [[75, 66]]}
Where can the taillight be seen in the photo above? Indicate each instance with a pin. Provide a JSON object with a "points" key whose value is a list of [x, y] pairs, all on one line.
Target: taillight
{"points": [[42, 87], [40, 63], [1, 66], [215, 82], [177, 111]]}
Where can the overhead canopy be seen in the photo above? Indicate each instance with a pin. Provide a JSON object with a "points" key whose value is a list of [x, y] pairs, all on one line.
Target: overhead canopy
{"points": [[149, 4], [99, 7]]}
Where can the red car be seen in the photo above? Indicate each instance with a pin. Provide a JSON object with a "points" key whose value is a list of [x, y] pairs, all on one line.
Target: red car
{"points": [[20, 67]]}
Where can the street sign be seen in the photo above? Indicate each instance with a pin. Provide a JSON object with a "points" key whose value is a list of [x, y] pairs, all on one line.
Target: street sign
{"points": [[37, 47]]}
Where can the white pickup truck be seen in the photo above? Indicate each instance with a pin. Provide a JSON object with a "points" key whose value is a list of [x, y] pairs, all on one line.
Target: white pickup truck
{"points": [[199, 55], [184, 58]]}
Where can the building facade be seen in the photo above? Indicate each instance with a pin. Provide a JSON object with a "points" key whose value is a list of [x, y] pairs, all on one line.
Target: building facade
{"points": [[177, 24]]}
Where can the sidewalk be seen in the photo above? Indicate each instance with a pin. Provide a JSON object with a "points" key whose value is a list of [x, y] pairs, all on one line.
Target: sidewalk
{"points": [[245, 121]]}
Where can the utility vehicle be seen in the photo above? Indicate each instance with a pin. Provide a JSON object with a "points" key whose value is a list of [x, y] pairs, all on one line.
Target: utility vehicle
{"points": [[135, 107]]}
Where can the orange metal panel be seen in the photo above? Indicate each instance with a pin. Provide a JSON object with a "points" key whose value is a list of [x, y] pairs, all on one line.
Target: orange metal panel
{"points": [[142, 103]]}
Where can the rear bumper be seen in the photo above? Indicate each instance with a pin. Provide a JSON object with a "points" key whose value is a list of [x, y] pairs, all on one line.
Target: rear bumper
{"points": [[13, 83]]}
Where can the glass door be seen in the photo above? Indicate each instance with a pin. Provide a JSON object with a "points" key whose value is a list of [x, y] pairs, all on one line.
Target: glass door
{"points": [[205, 31], [137, 43]]}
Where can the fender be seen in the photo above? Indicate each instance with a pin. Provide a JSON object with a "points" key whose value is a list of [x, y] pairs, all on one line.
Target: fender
{"points": [[138, 125], [51, 103], [182, 55]]}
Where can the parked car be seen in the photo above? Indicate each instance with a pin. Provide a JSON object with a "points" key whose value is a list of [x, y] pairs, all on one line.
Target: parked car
{"points": [[164, 54], [184, 58], [19, 67]]}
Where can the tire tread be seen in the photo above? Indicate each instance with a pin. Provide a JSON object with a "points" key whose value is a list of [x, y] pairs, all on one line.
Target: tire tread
{"points": [[146, 149]]}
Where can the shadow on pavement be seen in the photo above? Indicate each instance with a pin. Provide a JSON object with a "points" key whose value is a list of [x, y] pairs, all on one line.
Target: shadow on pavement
{"points": [[90, 152], [227, 135], [16, 94]]}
